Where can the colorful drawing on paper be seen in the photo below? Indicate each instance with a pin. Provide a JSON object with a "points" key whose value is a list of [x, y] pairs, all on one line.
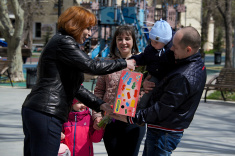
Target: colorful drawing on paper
{"points": [[128, 93]]}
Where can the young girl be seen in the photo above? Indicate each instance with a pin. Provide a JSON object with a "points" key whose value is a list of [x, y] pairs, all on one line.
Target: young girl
{"points": [[119, 138], [79, 132]]}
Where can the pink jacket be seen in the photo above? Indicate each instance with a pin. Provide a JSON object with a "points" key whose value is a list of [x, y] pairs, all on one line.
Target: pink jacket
{"points": [[79, 133]]}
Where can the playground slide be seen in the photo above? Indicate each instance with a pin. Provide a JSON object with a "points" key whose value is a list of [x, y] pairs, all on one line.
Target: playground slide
{"points": [[3, 43], [126, 15], [105, 52], [95, 52]]}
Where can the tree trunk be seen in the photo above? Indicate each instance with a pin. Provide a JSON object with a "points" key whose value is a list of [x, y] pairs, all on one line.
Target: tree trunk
{"points": [[12, 35], [228, 34], [15, 56], [227, 16], [28, 26], [207, 13]]}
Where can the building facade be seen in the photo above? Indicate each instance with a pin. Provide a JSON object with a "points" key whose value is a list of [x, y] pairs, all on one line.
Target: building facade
{"points": [[186, 13]]}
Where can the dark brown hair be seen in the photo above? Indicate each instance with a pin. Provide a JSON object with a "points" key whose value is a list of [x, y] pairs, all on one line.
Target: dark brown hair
{"points": [[191, 38], [123, 29], [75, 19]]}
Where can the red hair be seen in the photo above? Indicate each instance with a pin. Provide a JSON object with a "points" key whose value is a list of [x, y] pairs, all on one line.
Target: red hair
{"points": [[75, 19]]}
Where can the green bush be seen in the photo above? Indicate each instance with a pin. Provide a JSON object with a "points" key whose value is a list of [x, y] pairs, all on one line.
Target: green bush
{"points": [[210, 51]]}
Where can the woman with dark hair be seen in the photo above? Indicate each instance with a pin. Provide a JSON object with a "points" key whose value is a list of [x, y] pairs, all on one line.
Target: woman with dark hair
{"points": [[120, 139], [59, 78]]}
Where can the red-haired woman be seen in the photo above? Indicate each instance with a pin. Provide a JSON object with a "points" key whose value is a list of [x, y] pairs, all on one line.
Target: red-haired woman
{"points": [[59, 78]]}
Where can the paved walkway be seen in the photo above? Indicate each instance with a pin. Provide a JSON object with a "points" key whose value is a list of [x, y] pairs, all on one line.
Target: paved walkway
{"points": [[212, 132]]}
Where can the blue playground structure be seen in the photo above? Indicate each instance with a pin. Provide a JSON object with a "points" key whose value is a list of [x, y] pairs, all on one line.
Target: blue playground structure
{"points": [[3, 43], [132, 12], [109, 17]]}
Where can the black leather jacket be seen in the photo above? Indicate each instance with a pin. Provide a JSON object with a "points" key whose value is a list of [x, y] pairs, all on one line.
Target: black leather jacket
{"points": [[60, 75], [177, 97]]}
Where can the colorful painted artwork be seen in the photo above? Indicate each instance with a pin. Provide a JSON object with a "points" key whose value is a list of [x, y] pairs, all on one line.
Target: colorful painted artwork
{"points": [[128, 93]]}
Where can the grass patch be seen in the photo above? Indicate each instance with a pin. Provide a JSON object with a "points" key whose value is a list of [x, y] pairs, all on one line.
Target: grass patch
{"points": [[215, 67], [216, 95], [210, 51]]}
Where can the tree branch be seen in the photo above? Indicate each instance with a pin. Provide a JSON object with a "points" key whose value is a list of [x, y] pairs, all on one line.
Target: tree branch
{"points": [[5, 22], [19, 18], [220, 9]]}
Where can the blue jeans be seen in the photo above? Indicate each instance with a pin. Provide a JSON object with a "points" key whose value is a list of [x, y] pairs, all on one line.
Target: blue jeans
{"points": [[161, 143], [42, 133]]}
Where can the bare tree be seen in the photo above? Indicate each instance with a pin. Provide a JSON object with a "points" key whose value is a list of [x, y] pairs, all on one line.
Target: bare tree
{"points": [[207, 10], [32, 8], [21, 30], [12, 34], [225, 9], [28, 19]]}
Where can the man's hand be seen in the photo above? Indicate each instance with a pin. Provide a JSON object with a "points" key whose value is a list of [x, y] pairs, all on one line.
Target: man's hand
{"points": [[122, 118], [96, 121], [131, 64], [148, 85], [106, 107]]}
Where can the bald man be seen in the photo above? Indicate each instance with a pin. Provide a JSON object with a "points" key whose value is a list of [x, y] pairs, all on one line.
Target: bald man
{"points": [[175, 101]]}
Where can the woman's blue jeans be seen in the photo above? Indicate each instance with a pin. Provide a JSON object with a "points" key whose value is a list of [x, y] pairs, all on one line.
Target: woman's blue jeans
{"points": [[161, 143], [42, 133]]}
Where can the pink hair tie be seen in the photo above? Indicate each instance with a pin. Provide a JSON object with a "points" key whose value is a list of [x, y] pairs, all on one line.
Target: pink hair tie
{"points": [[75, 101]]}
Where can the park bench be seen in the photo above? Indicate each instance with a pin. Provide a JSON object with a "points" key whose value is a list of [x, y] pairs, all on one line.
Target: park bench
{"points": [[224, 82], [4, 71], [26, 52]]}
